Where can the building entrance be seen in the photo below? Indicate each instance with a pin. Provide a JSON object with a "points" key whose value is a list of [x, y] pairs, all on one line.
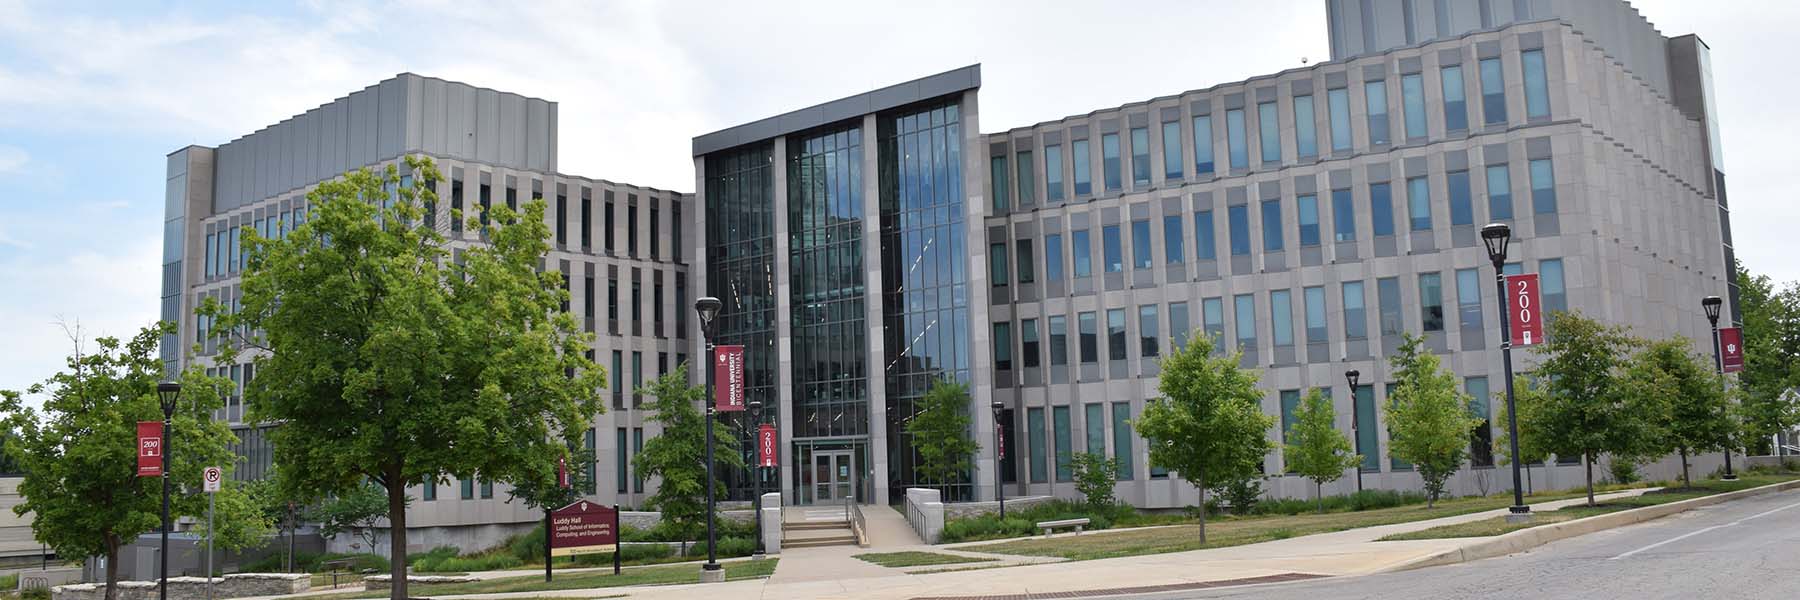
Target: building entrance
{"points": [[830, 472]]}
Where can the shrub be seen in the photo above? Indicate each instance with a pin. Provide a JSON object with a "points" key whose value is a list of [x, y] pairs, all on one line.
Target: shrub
{"points": [[1623, 471], [728, 547], [528, 547], [36, 593], [1242, 494], [438, 553], [1363, 500], [9, 582], [1095, 476]]}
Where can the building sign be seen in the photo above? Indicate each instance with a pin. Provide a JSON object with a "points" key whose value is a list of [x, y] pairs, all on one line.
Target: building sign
{"points": [[765, 445], [1523, 309], [1731, 349], [150, 448], [211, 478], [583, 528], [728, 371]]}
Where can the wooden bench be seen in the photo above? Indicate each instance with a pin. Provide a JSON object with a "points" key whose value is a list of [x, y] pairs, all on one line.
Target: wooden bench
{"points": [[1049, 526], [336, 567]]}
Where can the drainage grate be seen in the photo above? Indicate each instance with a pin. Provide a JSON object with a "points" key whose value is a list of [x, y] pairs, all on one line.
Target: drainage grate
{"points": [[1147, 589]]}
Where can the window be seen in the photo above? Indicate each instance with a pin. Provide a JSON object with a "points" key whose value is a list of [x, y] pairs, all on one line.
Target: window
{"points": [[468, 489], [587, 220], [1281, 313], [623, 476], [1203, 145], [562, 220], [1309, 220], [1053, 257], [1412, 100], [1034, 428], [1084, 184], [1306, 135], [1234, 139], [637, 371], [1109, 162], [1339, 99], [1356, 320], [1271, 225], [1148, 331], [1028, 341], [1027, 263], [1269, 124], [1366, 442], [1462, 211], [211, 255], [1178, 324], [1375, 92], [1173, 240], [1059, 340], [1112, 249], [1387, 292], [1140, 244], [1418, 200], [487, 486], [1027, 179], [1094, 419], [1053, 174], [457, 216], [1244, 316], [1140, 157], [1537, 85], [1493, 92], [1555, 295], [655, 230], [637, 446], [1456, 106], [429, 489], [1171, 139], [1543, 187], [1343, 215], [1315, 315], [631, 231], [1001, 188], [1003, 346], [1212, 315], [1204, 244], [1239, 217], [1381, 207], [1064, 444], [617, 375], [1290, 402], [1431, 301], [1468, 299], [1084, 254], [1122, 450], [1481, 439], [612, 299], [675, 235], [1499, 190], [997, 264], [1090, 337], [1115, 334]]}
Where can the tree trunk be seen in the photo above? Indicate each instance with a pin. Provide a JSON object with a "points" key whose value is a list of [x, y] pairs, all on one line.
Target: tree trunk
{"points": [[1587, 459], [1528, 490], [1319, 492], [1200, 482], [1685, 482], [112, 567], [396, 489]]}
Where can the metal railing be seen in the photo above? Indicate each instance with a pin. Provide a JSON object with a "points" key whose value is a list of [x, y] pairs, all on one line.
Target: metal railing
{"points": [[858, 524]]}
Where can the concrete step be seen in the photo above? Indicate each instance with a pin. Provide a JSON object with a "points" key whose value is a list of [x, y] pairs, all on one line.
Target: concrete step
{"points": [[813, 525], [809, 534], [843, 540]]}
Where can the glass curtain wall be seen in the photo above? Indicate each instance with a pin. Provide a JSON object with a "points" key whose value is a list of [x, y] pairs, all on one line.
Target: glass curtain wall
{"points": [[740, 193]]}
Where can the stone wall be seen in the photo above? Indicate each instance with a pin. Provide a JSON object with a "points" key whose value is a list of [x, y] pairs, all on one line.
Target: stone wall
{"points": [[381, 583], [242, 585], [959, 510]]}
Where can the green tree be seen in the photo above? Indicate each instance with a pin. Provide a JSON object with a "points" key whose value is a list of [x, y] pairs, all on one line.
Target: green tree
{"points": [[79, 453], [385, 358], [357, 511], [1315, 448], [1095, 477], [1428, 418], [1771, 319], [1585, 409], [940, 432], [1208, 424], [677, 456], [1528, 396], [1691, 412]]}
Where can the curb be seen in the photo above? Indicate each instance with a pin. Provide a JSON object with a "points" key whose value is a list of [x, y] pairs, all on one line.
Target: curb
{"points": [[1526, 539]]}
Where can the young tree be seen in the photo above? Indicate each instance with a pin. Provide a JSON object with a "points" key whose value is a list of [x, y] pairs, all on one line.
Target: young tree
{"points": [[1095, 477], [1208, 425], [1691, 412], [1585, 410], [940, 432], [677, 456], [79, 454], [1315, 448], [357, 511], [1528, 396], [385, 358], [1771, 318], [1428, 418]]}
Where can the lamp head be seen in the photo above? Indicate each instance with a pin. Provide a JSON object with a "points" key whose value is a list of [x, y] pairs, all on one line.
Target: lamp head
{"points": [[708, 307], [1496, 236], [1352, 376], [998, 406], [166, 394], [1712, 304]]}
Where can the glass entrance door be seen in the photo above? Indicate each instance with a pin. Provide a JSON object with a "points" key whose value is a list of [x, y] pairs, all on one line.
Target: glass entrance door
{"points": [[834, 477]]}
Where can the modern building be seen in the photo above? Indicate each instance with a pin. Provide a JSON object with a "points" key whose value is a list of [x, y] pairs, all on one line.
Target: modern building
{"points": [[869, 245]]}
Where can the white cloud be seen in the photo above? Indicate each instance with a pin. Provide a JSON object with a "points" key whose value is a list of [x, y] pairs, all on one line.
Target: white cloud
{"points": [[111, 293], [12, 159]]}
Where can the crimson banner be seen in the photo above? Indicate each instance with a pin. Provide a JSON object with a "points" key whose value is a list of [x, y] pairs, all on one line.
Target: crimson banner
{"points": [[765, 445], [1731, 349], [1523, 309], [150, 448], [728, 372], [562, 472]]}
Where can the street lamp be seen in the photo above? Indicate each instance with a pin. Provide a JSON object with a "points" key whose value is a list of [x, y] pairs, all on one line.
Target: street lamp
{"points": [[708, 307], [999, 455], [1712, 304], [167, 393], [756, 476], [1496, 236], [1355, 423]]}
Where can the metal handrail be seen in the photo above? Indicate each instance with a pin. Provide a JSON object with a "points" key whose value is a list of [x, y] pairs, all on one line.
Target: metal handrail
{"points": [[858, 525]]}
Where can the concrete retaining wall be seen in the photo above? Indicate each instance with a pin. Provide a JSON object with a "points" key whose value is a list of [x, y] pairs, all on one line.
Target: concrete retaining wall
{"points": [[381, 583], [240, 585], [959, 510]]}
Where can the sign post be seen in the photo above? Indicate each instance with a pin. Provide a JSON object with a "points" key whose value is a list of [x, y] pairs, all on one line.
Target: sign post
{"points": [[585, 528], [211, 479], [728, 370], [1524, 309], [150, 448], [1731, 343]]}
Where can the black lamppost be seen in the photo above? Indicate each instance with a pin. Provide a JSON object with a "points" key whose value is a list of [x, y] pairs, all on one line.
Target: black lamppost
{"points": [[167, 393], [756, 472], [708, 307], [1496, 236], [1355, 422], [1712, 304], [999, 456]]}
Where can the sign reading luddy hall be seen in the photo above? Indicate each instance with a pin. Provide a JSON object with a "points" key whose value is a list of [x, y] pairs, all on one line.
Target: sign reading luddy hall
{"points": [[585, 528]]}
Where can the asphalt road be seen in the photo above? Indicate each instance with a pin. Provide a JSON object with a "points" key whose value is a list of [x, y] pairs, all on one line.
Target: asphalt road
{"points": [[1742, 549]]}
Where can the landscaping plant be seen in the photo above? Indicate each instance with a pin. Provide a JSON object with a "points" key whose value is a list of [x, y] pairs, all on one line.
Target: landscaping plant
{"points": [[1315, 448], [1428, 417], [1208, 423]]}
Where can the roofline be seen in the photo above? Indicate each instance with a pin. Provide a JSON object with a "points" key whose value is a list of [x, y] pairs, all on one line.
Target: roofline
{"points": [[899, 94]]}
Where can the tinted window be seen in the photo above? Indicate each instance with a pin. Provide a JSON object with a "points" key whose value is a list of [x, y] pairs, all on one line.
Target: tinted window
{"points": [[1555, 295], [1109, 161], [1462, 210], [1537, 86], [1381, 208], [1213, 320], [1090, 337], [1340, 117], [1431, 301], [1343, 215], [1140, 157], [1140, 244], [1306, 135], [1499, 190], [1418, 199], [1115, 334], [1203, 145], [1053, 172], [1412, 95], [1270, 126], [1001, 188], [1468, 299], [1271, 225], [1173, 240], [1239, 217], [1244, 317], [1113, 249], [1059, 340], [1204, 244], [1309, 220], [1178, 324], [1171, 139], [1148, 328], [1493, 92], [1456, 109], [1315, 314], [1084, 255], [1356, 320], [1027, 179], [1543, 187], [997, 264], [1003, 346], [1234, 139], [1084, 184], [1387, 292], [1281, 313], [1375, 93], [1027, 263], [1053, 257]]}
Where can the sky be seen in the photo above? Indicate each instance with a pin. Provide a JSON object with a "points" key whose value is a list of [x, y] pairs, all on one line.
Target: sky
{"points": [[93, 97]]}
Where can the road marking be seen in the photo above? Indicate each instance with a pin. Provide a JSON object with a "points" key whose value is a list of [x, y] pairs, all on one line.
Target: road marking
{"points": [[1704, 530]]}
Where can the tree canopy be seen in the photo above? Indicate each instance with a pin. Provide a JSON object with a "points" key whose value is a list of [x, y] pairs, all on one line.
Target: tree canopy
{"points": [[1771, 319], [1315, 449], [1428, 417], [677, 456], [1208, 424], [1584, 409], [940, 433], [1684, 399]]}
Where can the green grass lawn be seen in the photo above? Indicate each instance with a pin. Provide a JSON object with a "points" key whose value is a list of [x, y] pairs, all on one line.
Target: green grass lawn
{"points": [[1498, 525], [663, 575], [917, 559]]}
